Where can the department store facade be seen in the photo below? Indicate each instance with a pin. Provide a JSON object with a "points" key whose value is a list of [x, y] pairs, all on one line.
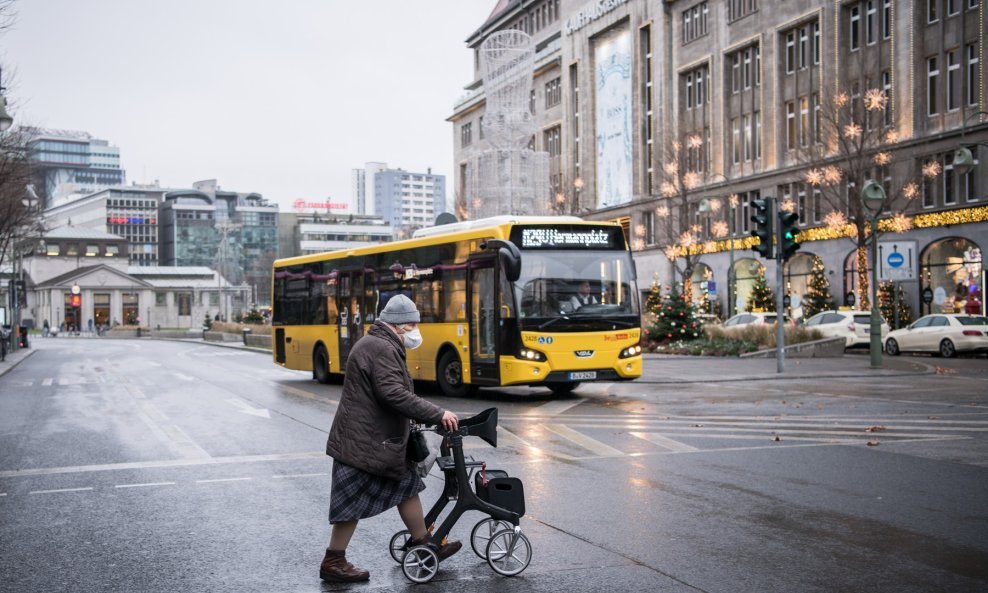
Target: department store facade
{"points": [[740, 84]]}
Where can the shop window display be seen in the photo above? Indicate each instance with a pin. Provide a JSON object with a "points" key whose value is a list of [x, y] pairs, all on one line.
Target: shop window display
{"points": [[952, 270]]}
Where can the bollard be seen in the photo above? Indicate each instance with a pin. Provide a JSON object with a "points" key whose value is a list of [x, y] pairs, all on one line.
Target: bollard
{"points": [[246, 331]]}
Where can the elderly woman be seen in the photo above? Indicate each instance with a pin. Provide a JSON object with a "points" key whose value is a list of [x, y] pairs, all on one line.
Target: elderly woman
{"points": [[369, 435]]}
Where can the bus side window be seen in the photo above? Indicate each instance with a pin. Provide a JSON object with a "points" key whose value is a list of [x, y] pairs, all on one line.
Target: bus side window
{"points": [[454, 295]]}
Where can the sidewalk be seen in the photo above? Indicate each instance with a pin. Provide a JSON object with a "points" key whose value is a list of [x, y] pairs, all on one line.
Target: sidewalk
{"points": [[14, 358], [664, 368]]}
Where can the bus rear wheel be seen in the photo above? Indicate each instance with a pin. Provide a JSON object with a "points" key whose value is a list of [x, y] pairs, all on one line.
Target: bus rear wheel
{"points": [[320, 365], [564, 388], [450, 376]]}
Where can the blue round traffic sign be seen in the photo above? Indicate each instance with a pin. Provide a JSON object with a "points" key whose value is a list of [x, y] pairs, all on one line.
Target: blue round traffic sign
{"points": [[895, 259]]}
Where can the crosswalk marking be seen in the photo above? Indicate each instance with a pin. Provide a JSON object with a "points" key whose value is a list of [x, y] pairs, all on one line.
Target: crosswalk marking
{"points": [[554, 408], [584, 441], [663, 441]]}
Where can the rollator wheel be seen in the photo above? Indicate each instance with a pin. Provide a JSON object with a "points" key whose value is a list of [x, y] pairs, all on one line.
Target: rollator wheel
{"points": [[420, 564], [482, 532], [397, 546], [509, 553]]}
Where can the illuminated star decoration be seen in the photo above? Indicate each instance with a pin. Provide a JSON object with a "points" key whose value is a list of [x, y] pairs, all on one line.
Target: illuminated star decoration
{"points": [[719, 229], [832, 174], [875, 100], [932, 168], [662, 211], [814, 176], [668, 189], [883, 158], [835, 220], [788, 205], [910, 190], [852, 130], [901, 223]]}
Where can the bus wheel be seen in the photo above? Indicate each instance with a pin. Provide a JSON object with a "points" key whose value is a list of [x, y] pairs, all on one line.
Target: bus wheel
{"points": [[564, 388], [320, 365], [450, 376]]}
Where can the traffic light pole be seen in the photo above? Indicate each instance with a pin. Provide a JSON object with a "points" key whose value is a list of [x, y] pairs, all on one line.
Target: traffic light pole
{"points": [[780, 308]]}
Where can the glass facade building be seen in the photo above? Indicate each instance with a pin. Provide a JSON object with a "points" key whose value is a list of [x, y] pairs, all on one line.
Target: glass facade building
{"points": [[68, 162]]}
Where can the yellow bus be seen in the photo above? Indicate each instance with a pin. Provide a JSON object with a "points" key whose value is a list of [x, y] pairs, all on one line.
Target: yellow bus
{"points": [[548, 301]]}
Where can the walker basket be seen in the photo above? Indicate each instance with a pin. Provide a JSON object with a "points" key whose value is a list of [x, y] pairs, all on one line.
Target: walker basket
{"points": [[483, 425], [502, 491]]}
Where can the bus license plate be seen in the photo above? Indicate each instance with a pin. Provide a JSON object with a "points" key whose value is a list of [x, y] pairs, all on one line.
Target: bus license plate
{"points": [[583, 376]]}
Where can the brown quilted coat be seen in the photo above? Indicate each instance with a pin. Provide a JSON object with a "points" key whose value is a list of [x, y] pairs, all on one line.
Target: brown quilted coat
{"points": [[370, 430]]}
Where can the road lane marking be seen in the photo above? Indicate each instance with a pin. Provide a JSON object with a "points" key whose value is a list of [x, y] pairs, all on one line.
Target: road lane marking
{"points": [[246, 408], [287, 476], [59, 490], [554, 408], [525, 445], [182, 377], [144, 485], [182, 443], [159, 464], [3, 494], [663, 441], [303, 393], [47, 382], [584, 441], [223, 480]]}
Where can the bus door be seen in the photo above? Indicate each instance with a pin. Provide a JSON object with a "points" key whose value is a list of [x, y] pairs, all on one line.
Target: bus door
{"points": [[344, 292], [483, 323]]}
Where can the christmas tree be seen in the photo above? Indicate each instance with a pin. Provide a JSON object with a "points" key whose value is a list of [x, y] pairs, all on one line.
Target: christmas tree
{"points": [[818, 297], [653, 302], [886, 304], [675, 320], [762, 298]]}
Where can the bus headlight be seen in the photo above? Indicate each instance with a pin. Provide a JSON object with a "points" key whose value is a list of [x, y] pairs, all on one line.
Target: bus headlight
{"points": [[631, 351], [533, 355]]}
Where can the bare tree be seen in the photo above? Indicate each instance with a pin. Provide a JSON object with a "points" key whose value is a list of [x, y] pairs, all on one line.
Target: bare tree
{"points": [[18, 222], [854, 144]]}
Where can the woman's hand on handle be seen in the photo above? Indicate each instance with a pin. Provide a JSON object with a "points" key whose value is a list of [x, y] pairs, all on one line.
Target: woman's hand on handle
{"points": [[450, 421]]}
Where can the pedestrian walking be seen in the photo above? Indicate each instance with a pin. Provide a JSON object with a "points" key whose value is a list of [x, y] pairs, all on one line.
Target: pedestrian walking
{"points": [[370, 434], [45, 330]]}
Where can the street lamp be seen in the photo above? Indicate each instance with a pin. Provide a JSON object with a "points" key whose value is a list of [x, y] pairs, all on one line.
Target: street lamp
{"points": [[873, 196], [963, 159], [29, 201]]}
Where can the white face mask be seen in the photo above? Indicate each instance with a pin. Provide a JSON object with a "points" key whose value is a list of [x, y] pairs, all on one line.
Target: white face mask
{"points": [[412, 338]]}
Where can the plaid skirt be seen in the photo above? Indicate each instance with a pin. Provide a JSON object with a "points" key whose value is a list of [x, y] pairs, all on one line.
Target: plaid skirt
{"points": [[357, 494]]}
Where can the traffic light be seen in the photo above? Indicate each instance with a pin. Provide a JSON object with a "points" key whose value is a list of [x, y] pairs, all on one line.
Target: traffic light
{"points": [[763, 226], [21, 293], [787, 234]]}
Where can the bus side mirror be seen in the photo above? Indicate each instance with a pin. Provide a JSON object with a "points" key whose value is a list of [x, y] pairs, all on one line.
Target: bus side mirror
{"points": [[508, 254]]}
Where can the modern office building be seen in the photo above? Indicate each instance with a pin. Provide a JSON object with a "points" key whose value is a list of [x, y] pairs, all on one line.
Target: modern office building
{"points": [[70, 163], [130, 212], [302, 233], [233, 233], [672, 117]]}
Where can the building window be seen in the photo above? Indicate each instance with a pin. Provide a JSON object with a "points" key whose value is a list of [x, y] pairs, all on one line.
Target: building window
{"points": [[953, 7], [53, 249], [740, 8], [932, 14], [804, 121], [790, 125], [790, 52], [973, 78], [932, 83], [648, 220], [757, 116], [689, 91], [553, 142], [953, 80], [92, 250], [736, 139], [970, 180], [553, 93], [112, 250], [748, 144], [804, 46], [817, 112], [746, 68], [695, 22], [871, 22], [736, 72], [466, 134], [950, 185], [854, 33], [815, 27]]}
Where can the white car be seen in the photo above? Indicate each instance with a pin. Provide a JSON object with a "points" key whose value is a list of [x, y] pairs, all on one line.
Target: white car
{"points": [[946, 334], [853, 326], [743, 319]]}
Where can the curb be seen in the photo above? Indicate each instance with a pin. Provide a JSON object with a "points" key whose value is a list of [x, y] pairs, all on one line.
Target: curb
{"points": [[10, 365]]}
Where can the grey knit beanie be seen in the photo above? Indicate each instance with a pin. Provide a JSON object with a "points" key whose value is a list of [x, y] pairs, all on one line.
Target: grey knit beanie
{"points": [[400, 309]]}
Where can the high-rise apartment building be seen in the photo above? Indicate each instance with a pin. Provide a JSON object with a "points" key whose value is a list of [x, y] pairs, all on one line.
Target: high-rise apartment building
{"points": [[363, 200], [672, 117], [408, 201], [71, 163]]}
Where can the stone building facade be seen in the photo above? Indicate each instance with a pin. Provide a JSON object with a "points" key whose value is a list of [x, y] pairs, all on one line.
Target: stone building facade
{"points": [[630, 94]]}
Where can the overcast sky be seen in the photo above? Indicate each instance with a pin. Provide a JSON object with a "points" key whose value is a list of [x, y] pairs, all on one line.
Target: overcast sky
{"points": [[282, 98]]}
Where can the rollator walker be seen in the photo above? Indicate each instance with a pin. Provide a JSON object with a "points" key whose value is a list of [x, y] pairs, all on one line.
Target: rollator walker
{"points": [[497, 538]]}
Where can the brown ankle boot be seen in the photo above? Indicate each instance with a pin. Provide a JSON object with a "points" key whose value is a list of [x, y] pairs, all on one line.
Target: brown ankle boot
{"points": [[335, 568], [444, 551]]}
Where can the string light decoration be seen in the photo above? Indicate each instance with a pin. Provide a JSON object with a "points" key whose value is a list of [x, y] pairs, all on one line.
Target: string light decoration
{"points": [[932, 168], [788, 205], [662, 211], [719, 229], [875, 100], [883, 158]]}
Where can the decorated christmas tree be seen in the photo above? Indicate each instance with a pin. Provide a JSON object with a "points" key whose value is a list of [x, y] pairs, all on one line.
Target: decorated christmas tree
{"points": [[818, 297], [675, 320], [653, 302], [886, 304], [762, 298]]}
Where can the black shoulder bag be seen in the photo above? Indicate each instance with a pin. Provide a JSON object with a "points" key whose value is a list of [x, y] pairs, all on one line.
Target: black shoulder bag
{"points": [[418, 447]]}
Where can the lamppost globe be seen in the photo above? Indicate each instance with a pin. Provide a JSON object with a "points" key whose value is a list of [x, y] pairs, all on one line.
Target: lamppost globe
{"points": [[873, 196], [963, 161]]}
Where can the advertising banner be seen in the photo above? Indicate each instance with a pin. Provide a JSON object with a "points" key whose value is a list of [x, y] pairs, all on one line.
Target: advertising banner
{"points": [[612, 78]]}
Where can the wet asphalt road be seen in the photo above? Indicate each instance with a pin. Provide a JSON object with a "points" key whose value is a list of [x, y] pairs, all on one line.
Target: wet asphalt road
{"points": [[130, 465]]}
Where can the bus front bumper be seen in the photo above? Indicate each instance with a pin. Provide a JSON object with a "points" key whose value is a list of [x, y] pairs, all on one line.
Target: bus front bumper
{"points": [[518, 372]]}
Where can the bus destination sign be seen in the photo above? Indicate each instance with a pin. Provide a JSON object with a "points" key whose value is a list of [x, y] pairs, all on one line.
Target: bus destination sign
{"points": [[568, 237]]}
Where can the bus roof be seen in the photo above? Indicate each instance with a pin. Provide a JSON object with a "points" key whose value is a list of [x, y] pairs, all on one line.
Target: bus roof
{"points": [[468, 229]]}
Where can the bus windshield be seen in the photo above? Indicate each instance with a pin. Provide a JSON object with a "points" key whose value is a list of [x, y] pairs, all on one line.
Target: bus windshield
{"points": [[576, 290]]}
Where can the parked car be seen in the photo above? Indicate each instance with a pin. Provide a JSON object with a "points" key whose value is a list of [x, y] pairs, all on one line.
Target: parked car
{"points": [[853, 326], [946, 334], [743, 319]]}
